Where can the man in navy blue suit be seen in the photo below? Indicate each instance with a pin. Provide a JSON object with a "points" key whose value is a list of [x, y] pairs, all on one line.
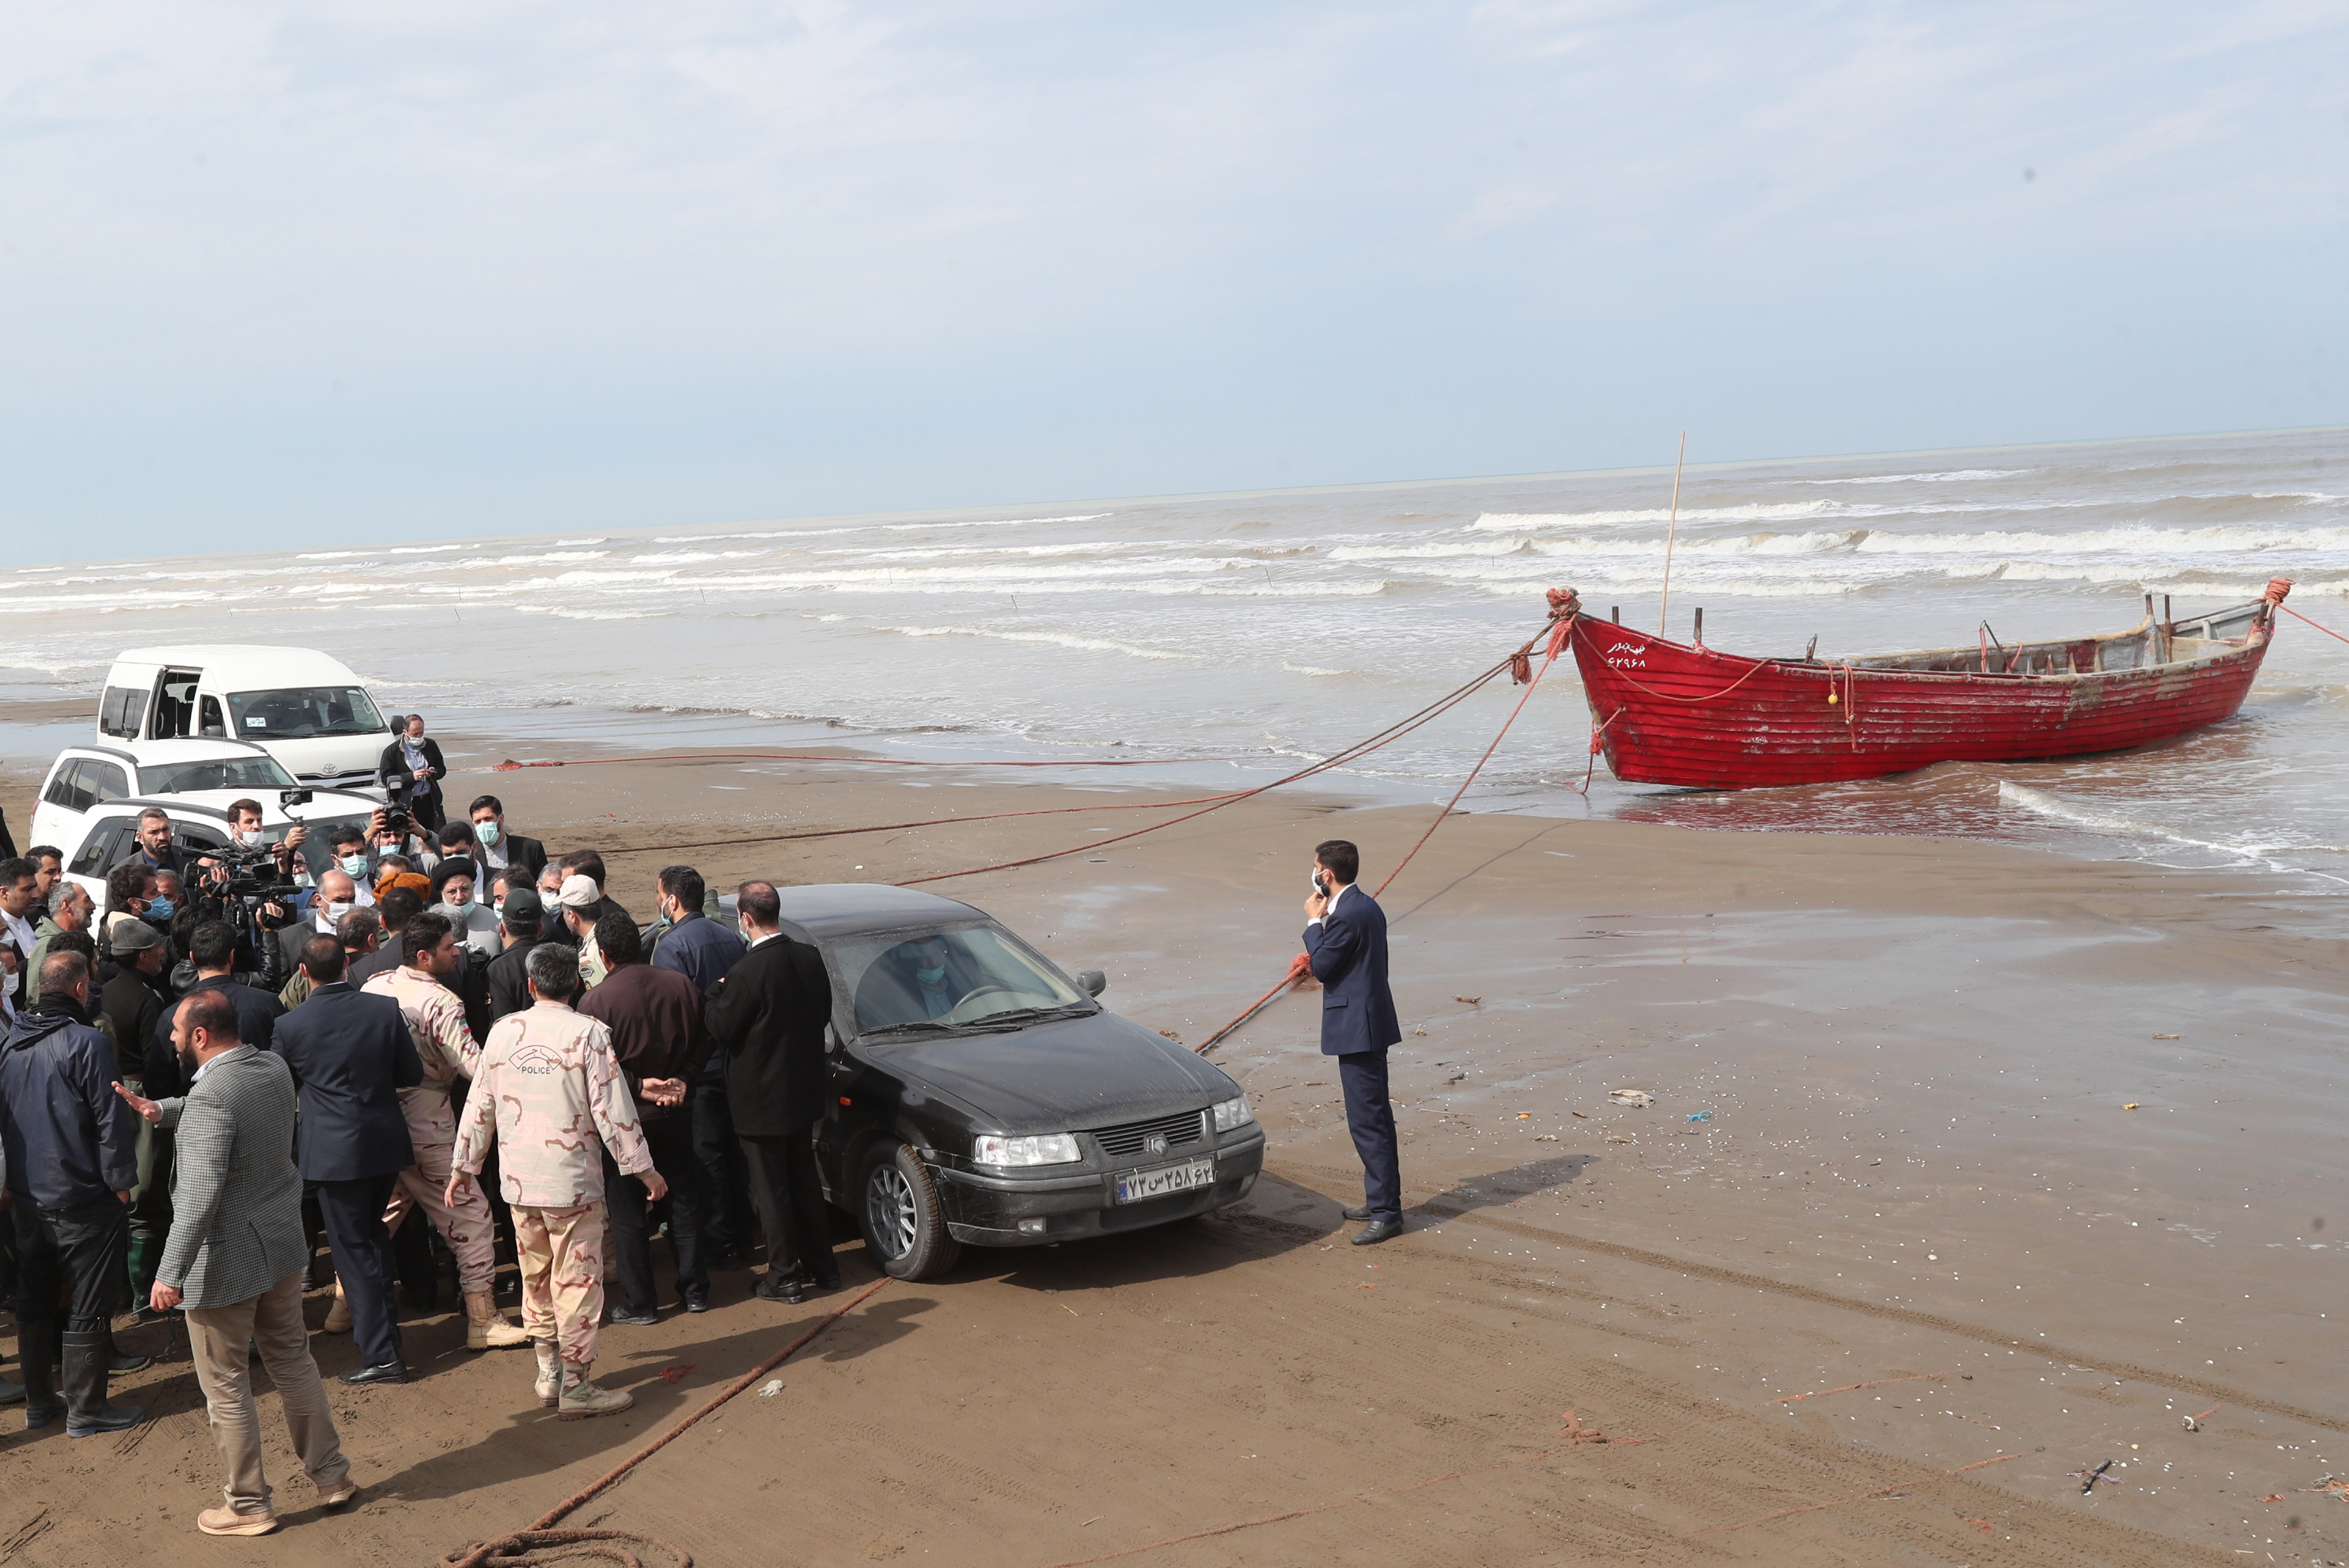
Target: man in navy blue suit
{"points": [[351, 1053], [1346, 944]]}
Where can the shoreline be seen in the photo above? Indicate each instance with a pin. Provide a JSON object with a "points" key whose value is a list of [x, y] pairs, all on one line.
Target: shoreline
{"points": [[1888, 1151]]}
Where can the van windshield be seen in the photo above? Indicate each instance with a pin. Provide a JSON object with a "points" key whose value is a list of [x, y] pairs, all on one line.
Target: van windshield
{"points": [[299, 712], [216, 772]]}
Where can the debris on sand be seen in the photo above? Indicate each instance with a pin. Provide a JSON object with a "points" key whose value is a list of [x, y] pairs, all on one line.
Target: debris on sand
{"points": [[1639, 1097]]}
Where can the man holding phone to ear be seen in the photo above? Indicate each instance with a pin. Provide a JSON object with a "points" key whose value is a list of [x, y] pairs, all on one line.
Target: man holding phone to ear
{"points": [[1346, 944]]}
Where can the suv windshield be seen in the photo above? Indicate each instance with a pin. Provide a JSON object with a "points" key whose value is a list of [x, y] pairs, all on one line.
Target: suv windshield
{"points": [[301, 712], [969, 976], [216, 772]]}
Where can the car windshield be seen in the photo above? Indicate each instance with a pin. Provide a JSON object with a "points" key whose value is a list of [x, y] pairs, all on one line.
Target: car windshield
{"points": [[214, 773], [299, 712], [969, 976]]}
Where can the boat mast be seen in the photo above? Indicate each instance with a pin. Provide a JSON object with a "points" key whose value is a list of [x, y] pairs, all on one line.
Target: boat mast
{"points": [[1663, 607]]}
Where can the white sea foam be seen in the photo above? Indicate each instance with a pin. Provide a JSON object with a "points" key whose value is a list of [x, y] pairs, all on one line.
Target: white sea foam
{"points": [[426, 549], [1752, 511], [1949, 476], [1052, 638]]}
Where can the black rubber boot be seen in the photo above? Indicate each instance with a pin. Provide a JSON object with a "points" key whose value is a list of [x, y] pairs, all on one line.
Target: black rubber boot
{"points": [[87, 1413], [36, 1348], [119, 1360]]}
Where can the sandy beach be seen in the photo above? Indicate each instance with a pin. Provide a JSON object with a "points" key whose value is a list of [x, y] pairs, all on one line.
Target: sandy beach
{"points": [[1969, 1169]]}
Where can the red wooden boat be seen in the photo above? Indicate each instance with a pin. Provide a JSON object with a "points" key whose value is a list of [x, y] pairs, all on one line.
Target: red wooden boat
{"points": [[1682, 713]]}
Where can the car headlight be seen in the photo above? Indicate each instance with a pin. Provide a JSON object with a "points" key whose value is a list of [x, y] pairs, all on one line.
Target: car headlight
{"points": [[1042, 1149], [1233, 1113]]}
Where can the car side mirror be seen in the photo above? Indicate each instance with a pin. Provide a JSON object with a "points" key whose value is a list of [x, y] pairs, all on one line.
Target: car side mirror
{"points": [[831, 1039], [1092, 982]]}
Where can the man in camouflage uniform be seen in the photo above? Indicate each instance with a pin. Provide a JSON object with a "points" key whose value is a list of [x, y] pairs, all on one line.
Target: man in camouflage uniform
{"points": [[436, 1021], [549, 1091]]}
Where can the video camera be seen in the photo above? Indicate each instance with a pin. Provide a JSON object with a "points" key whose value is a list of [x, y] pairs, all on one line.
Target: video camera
{"points": [[396, 816]]}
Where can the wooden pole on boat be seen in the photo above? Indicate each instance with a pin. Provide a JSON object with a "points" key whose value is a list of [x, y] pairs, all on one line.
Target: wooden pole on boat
{"points": [[1664, 606]]}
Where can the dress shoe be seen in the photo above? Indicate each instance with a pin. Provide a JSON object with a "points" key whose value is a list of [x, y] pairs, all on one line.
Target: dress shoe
{"points": [[1359, 1212], [697, 1301], [787, 1288], [228, 1521], [633, 1319], [729, 1259], [1376, 1231], [384, 1372]]}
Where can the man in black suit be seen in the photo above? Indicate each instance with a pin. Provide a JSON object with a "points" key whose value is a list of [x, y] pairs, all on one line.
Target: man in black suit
{"points": [[350, 1053], [770, 1012], [1347, 943], [522, 859], [412, 757]]}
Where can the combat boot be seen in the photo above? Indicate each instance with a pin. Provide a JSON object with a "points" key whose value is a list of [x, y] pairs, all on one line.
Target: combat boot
{"points": [[582, 1399], [549, 1386], [486, 1328]]}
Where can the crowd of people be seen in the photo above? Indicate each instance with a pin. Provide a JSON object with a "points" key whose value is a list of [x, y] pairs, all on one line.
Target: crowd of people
{"points": [[433, 1042]]}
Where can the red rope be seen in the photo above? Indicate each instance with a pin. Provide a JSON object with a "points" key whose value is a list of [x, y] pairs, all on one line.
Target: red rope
{"points": [[482, 1553], [1479, 768], [1301, 966], [510, 765], [2297, 616]]}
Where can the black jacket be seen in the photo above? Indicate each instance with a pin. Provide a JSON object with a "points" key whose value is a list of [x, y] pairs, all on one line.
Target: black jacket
{"points": [[525, 858], [770, 1013], [129, 1000], [350, 1053], [72, 1141], [509, 978], [257, 1012], [393, 764]]}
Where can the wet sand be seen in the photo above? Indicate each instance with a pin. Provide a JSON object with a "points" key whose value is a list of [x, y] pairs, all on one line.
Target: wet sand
{"points": [[1886, 1219]]}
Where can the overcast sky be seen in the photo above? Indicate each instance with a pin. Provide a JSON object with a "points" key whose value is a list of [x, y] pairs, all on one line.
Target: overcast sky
{"points": [[270, 272]]}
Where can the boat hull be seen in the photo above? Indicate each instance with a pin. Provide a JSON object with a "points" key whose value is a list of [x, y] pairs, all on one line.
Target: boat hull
{"points": [[1674, 713]]}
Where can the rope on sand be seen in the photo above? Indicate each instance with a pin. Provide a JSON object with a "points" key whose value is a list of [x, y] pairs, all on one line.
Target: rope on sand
{"points": [[543, 1543]]}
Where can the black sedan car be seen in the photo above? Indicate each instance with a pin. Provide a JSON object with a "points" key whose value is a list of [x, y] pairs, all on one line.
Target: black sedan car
{"points": [[981, 1095]]}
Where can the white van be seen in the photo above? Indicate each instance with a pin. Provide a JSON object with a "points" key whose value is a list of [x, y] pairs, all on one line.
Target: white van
{"points": [[306, 710]]}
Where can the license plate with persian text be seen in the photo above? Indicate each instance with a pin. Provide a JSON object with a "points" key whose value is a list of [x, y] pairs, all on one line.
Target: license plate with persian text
{"points": [[1166, 1178]]}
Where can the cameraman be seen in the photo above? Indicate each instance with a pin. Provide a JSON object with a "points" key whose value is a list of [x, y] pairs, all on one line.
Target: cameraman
{"points": [[413, 761]]}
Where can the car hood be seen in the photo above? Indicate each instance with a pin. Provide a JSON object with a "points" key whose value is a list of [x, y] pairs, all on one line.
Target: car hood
{"points": [[1067, 1075]]}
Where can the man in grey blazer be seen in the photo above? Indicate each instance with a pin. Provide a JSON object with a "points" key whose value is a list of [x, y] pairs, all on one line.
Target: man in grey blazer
{"points": [[237, 1256]]}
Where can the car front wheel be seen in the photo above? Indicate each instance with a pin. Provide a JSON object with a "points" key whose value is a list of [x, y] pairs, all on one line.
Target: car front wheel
{"points": [[904, 1222]]}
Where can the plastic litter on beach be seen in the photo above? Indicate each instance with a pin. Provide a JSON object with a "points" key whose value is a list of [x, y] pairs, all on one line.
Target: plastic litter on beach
{"points": [[2130, 1107], [1471, 1000], [677, 1373], [1639, 1097], [770, 1387], [2165, 1037], [1699, 1115]]}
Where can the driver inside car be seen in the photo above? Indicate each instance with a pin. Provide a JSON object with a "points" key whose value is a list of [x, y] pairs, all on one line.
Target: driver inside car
{"points": [[926, 962]]}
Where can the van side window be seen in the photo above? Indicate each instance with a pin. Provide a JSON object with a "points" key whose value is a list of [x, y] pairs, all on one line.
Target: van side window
{"points": [[211, 723], [175, 715], [123, 709]]}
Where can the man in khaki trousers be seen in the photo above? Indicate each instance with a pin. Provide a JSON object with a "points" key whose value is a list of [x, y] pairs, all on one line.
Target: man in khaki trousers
{"points": [[237, 1256]]}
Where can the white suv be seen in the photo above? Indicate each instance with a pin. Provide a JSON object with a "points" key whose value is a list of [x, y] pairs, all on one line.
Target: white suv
{"points": [[91, 803]]}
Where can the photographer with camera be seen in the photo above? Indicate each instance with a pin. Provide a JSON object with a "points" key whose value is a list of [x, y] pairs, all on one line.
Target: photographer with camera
{"points": [[415, 763]]}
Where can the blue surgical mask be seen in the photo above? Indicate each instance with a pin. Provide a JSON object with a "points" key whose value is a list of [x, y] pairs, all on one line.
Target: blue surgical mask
{"points": [[354, 865], [487, 833], [931, 976], [159, 909]]}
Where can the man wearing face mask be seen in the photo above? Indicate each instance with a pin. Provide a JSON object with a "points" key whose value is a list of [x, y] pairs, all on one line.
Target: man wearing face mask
{"points": [[501, 850], [352, 859], [453, 898], [131, 900], [413, 757], [518, 923], [550, 899], [337, 896]]}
